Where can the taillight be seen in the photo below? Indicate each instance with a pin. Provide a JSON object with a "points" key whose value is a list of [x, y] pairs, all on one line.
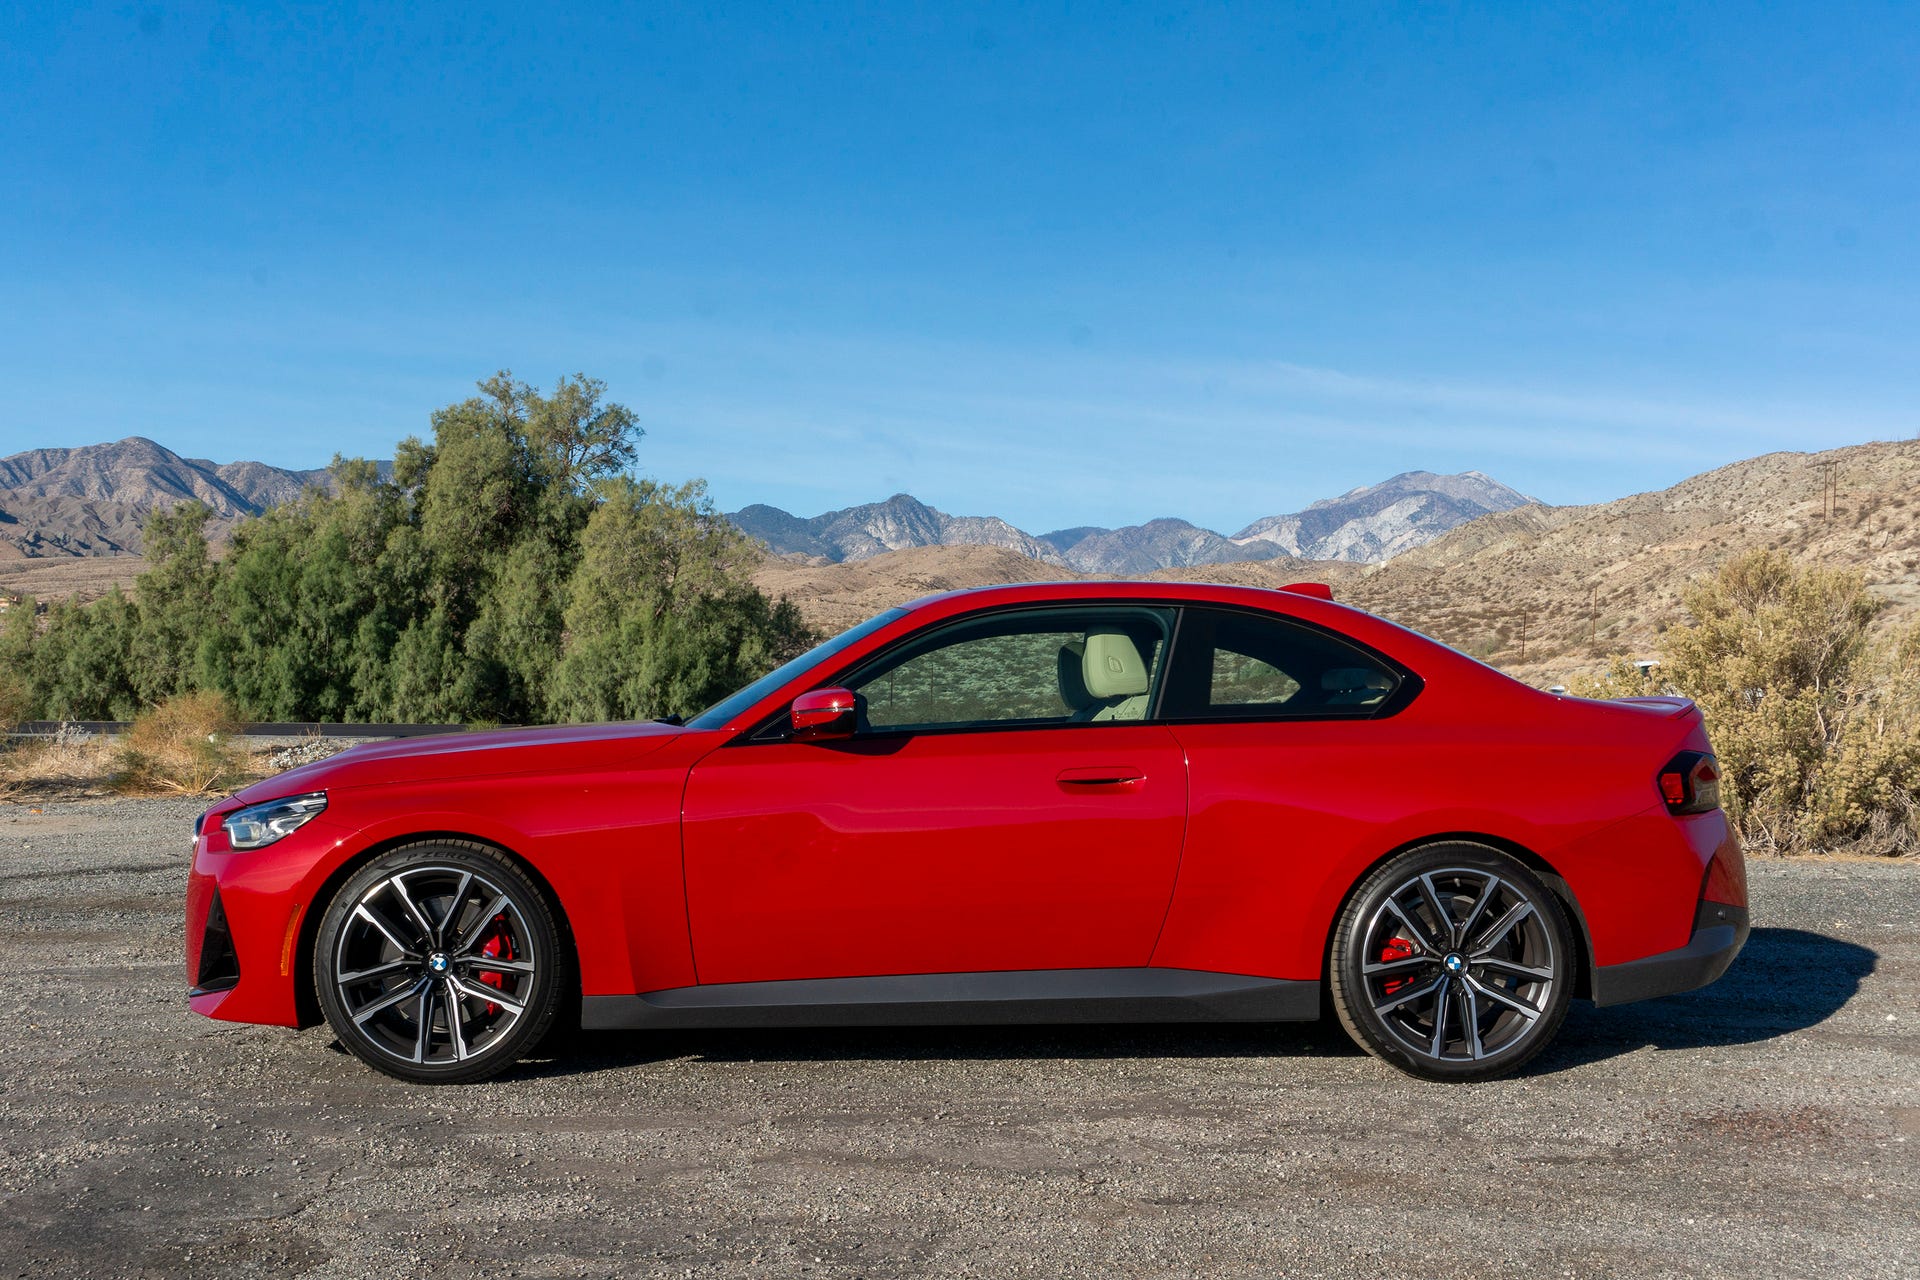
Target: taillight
{"points": [[1691, 783]]}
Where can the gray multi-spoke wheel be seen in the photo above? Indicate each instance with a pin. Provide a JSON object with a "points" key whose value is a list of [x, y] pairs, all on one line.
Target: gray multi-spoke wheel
{"points": [[439, 962], [1453, 962]]}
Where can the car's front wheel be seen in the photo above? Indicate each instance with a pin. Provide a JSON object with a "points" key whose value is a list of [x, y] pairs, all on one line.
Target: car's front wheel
{"points": [[1453, 962], [439, 963]]}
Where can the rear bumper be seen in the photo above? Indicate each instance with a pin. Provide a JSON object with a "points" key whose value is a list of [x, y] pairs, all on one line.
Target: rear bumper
{"points": [[1719, 931]]}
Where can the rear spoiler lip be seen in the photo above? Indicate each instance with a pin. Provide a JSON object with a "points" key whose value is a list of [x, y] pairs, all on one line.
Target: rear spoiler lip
{"points": [[1668, 705]]}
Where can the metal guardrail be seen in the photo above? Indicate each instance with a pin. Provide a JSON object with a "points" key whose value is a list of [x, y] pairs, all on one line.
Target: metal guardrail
{"points": [[292, 729]]}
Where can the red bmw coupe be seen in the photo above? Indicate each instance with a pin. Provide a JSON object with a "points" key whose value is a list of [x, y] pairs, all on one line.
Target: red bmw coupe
{"points": [[1086, 802]]}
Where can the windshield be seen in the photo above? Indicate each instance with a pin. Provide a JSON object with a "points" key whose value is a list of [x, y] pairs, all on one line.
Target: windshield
{"points": [[720, 713]]}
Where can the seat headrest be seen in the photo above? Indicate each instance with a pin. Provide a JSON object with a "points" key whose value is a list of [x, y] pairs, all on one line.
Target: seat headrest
{"points": [[1073, 685], [1112, 667], [1355, 679]]}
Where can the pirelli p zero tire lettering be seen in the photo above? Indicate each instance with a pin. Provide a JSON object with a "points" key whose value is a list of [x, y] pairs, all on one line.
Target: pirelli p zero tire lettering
{"points": [[1453, 962], [440, 963]]}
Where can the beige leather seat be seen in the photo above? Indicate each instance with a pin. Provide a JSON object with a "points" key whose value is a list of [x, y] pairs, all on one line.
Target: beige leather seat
{"points": [[1115, 676]]}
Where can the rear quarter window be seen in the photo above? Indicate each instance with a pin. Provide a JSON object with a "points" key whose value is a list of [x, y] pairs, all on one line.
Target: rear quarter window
{"points": [[1233, 665]]}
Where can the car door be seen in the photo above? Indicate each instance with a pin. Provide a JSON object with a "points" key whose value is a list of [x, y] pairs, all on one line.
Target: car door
{"points": [[997, 810], [1291, 767]]}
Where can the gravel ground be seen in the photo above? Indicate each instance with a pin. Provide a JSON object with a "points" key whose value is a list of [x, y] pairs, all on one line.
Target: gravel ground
{"points": [[1766, 1126]]}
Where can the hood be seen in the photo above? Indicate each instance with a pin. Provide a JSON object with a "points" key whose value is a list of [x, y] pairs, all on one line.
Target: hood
{"points": [[469, 755]]}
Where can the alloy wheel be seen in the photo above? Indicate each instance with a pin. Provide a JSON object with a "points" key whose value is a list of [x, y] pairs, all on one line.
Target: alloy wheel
{"points": [[1453, 962], [438, 968], [1463, 965]]}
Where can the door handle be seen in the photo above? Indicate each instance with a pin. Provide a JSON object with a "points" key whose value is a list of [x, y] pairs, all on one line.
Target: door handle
{"points": [[1112, 777]]}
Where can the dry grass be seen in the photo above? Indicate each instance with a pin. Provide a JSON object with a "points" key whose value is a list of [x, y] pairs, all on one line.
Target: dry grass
{"points": [[58, 770], [97, 767], [184, 746]]}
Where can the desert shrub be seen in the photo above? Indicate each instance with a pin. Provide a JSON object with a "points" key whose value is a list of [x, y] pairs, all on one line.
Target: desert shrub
{"points": [[1816, 724], [1863, 794], [184, 745]]}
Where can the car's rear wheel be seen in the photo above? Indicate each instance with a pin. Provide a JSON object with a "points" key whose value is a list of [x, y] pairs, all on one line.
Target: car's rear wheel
{"points": [[1453, 962], [439, 963]]}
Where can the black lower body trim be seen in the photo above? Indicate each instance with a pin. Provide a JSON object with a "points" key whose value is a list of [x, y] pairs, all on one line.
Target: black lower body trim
{"points": [[1719, 931], [965, 999]]}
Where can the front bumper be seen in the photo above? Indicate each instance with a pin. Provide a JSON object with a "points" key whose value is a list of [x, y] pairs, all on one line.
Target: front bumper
{"points": [[1719, 931], [244, 913]]}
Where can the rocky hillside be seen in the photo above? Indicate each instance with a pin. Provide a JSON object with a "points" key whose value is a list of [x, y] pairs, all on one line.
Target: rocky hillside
{"points": [[1365, 525], [836, 596], [1579, 583], [91, 501]]}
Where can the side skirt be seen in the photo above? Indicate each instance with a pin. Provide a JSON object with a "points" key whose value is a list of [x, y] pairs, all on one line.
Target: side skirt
{"points": [[965, 999]]}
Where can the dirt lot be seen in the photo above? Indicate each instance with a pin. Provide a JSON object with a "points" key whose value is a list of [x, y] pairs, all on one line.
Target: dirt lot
{"points": [[1766, 1126]]}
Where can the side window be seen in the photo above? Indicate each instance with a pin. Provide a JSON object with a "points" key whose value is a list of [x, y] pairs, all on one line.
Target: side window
{"points": [[1036, 667], [1253, 666], [1240, 680]]}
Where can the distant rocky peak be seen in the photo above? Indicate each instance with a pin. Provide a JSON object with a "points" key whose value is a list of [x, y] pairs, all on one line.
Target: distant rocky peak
{"points": [[1369, 524]]}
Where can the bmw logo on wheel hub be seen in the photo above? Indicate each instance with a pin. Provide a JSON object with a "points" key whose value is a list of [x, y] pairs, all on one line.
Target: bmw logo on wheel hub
{"points": [[1455, 962], [438, 962]]}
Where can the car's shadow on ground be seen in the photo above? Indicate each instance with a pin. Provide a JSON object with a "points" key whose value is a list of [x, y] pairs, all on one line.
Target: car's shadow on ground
{"points": [[1784, 981], [598, 1050]]}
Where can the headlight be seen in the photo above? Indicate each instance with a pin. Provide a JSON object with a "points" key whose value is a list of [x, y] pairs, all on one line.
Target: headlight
{"points": [[259, 825]]}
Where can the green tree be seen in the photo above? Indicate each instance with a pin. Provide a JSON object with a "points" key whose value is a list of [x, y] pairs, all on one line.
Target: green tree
{"points": [[81, 665], [663, 618], [174, 600]]}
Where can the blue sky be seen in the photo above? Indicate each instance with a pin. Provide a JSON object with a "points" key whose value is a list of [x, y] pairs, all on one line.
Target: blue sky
{"points": [[1080, 264]]}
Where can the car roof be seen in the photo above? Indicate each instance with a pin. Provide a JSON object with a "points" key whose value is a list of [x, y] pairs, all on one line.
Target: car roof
{"points": [[1270, 598]]}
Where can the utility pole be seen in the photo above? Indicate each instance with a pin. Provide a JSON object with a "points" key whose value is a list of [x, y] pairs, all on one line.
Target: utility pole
{"points": [[1829, 488], [1523, 635], [1593, 614]]}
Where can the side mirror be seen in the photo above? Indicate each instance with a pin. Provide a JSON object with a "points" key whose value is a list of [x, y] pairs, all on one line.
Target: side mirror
{"points": [[824, 713]]}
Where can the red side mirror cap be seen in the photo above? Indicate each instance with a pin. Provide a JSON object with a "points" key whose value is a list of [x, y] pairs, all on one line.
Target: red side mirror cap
{"points": [[824, 713]]}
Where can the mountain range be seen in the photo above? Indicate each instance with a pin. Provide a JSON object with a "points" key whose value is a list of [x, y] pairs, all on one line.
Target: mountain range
{"points": [[1367, 525], [90, 501]]}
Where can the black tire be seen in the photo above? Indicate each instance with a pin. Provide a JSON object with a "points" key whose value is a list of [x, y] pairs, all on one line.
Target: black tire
{"points": [[440, 963], [1458, 948]]}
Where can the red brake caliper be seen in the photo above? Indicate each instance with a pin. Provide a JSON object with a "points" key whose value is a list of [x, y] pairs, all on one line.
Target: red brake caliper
{"points": [[1398, 949], [499, 947]]}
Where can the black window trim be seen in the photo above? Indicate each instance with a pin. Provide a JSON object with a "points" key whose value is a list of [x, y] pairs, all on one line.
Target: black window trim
{"points": [[775, 728]]}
